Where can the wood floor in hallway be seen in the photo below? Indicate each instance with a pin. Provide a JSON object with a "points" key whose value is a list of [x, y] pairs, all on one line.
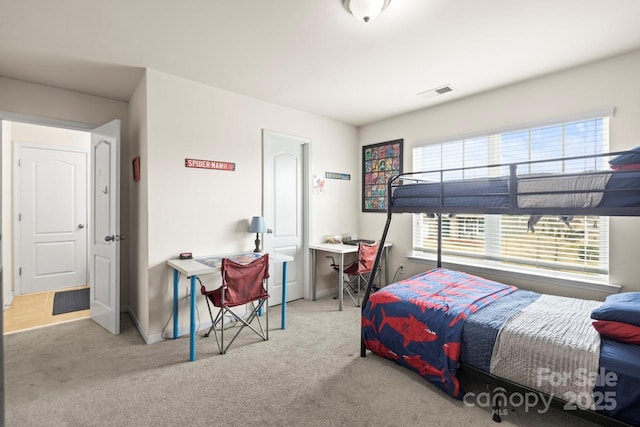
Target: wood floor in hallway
{"points": [[35, 311]]}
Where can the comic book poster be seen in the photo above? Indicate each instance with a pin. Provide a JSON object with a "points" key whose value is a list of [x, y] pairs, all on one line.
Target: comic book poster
{"points": [[380, 163]]}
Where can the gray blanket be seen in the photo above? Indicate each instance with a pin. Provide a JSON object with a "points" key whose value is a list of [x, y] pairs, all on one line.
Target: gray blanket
{"points": [[552, 347], [592, 185]]}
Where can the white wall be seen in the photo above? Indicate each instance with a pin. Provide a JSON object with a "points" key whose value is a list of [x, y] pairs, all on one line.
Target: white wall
{"points": [[7, 284], [45, 101], [25, 132], [608, 83], [138, 210], [206, 211], [176, 209]]}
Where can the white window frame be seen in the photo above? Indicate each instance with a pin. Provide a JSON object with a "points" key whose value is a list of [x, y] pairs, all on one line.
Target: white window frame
{"points": [[598, 283]]}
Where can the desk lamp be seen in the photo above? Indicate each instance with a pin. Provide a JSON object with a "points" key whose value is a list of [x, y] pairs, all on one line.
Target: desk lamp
{"points": [[257, 226]]}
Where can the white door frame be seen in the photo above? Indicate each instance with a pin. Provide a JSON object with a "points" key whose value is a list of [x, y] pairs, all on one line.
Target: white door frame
{"points": [[306, 205], [44, 121], [17, 240]]}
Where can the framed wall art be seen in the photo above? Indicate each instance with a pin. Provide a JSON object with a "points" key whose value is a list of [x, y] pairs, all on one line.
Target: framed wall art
{"points": [[380, 162]]}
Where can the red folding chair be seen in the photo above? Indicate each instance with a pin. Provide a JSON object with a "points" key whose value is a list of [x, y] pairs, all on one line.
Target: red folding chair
{"points": [[241, 284], [357, 273]]}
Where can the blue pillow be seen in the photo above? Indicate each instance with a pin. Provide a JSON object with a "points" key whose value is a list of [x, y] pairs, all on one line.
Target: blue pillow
{"points": [[624, 307], [632, 156]]}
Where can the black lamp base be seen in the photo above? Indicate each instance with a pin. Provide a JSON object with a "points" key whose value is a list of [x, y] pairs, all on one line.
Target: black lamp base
{"points": [[257, 242]]}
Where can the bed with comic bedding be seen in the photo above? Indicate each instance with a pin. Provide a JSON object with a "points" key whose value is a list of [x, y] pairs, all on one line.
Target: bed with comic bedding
{"points": [[440, 320], [418, 322]]}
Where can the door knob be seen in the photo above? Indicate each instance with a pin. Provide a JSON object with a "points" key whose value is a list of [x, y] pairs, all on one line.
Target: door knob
{"points": [[109, 238], [269, 231], [81, 226]]}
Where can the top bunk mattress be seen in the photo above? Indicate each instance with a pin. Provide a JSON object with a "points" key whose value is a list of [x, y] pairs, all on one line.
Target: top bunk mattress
{"points": [[620, 189]]}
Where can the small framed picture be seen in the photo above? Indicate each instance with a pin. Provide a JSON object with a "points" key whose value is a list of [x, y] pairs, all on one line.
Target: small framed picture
{"points": [[135, 167]]}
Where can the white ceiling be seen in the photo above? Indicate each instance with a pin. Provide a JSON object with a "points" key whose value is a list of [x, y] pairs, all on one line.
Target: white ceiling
{"points": [[311, 54]]}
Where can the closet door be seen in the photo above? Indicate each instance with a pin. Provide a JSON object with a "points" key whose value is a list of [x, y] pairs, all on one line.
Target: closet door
{"points": [[283, 192]]}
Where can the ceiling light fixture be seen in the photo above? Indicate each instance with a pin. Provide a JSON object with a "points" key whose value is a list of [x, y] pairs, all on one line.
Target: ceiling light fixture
{"points": [[365, 10]]}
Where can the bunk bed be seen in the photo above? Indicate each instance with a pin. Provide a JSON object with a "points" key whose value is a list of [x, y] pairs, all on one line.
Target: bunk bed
{"points": [[440, 321]]}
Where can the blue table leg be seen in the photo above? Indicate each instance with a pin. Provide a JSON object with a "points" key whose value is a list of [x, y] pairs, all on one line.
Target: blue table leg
{"points": [[284, 294], [192, 332], [176, 278]]}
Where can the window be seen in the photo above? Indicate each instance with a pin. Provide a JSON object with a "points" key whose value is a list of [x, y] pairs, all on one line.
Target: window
{"points": [[569, 245]]}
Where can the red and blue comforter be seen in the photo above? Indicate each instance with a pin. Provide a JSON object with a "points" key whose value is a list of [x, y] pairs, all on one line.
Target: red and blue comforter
{"points": [[426, 334]]}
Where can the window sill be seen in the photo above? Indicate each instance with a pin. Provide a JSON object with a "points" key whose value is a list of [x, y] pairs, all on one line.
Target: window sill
{"points": [[562, 280]]}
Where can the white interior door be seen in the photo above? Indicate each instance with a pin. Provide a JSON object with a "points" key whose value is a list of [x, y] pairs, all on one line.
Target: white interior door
{"points": [[104, 261], [283, 192], [52, 217]]}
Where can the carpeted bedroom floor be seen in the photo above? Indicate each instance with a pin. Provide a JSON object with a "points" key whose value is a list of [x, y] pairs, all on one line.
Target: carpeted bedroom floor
{"points": [[311, 374]]}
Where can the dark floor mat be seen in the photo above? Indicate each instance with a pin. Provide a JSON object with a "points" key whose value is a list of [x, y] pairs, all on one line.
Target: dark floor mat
{"points": [[68, 301]]}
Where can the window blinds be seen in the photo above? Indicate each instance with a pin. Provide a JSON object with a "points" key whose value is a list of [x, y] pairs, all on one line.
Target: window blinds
{"points": [[576, 245]]}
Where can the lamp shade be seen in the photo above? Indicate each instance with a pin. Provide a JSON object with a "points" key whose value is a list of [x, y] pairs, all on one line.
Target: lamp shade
{"points": [[365, 10], [257, 225]]}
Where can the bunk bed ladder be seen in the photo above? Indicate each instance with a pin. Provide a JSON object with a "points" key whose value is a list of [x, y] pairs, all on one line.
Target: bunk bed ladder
{"points": [[376, 265], [439, 247], [439, 260]]}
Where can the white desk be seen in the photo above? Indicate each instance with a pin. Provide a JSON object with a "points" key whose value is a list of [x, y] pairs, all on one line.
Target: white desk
{"points": [[211, 264], [341, 249]]}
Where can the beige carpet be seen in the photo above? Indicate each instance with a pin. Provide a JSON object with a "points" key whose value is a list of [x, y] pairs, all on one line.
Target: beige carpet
{"points": [[311, 374]]}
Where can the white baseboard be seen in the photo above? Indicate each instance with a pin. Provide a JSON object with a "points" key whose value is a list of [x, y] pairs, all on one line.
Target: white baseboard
{"points": [[326, 292], [184, 327], [7, 303], [136, 322], [183, 330], [158, 337]]}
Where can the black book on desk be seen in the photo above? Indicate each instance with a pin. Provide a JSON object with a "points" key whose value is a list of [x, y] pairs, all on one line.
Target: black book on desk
{"points": [[356, 242]]}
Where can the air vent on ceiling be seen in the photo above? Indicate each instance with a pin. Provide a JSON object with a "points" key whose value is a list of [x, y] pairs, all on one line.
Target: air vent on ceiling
{"points": [[436, 91]]}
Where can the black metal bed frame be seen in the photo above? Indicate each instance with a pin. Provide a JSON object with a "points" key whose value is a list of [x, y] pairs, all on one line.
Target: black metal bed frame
{"points": [[512, 209]]}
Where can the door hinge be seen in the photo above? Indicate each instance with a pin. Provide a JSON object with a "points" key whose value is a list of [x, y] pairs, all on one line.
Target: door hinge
{"points": [[19, 217], [19, 162], [20, 271]]}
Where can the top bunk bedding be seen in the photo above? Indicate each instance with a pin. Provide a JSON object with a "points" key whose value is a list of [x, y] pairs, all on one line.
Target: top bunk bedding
{"points": [[593, 192]]}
